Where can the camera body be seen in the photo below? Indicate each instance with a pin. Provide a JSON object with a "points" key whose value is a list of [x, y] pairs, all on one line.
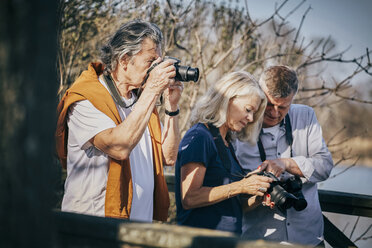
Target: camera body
{"points": [[286, 194], [185, 73]]}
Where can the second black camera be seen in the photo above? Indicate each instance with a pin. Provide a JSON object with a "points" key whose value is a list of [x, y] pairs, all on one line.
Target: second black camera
{"points": [[286, 194]]}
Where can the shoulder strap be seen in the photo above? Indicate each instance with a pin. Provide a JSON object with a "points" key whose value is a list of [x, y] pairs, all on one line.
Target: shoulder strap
{"points": [[288, 133], [220, 147], [261, 148]]}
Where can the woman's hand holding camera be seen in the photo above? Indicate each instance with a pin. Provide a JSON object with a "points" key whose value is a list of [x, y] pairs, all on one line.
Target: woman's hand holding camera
{"points": [[255, 185], [266, 201]]}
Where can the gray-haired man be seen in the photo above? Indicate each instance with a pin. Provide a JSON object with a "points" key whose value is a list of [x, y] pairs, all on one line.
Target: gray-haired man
{"points": [[109, 135], [290, 143]]}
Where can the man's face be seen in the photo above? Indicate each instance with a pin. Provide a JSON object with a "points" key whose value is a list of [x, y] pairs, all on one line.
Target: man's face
{"points": [[139, 64], [276, 109]]}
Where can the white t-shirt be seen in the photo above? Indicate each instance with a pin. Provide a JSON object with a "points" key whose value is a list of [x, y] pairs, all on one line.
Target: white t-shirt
{"points": [[87, 167]]}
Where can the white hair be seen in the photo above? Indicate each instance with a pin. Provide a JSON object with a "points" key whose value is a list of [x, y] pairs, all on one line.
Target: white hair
{"points": [[127, 41]]}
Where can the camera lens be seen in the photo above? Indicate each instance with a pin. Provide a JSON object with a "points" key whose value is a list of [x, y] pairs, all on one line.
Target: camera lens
{"points": [[286, 195], [282, 198], [294, 185], [300, 204], [187, 73]]}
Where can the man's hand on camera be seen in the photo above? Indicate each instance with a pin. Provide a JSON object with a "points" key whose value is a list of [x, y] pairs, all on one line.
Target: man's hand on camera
{"points": [[275, 166], [280, 165], [161, 77]]}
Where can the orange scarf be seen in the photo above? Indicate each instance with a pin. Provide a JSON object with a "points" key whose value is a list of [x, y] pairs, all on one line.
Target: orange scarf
{"points": [[119, 191]]}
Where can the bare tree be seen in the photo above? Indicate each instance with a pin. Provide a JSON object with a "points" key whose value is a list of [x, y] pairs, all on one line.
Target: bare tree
{"points": [[217, 38], [222, 37]]}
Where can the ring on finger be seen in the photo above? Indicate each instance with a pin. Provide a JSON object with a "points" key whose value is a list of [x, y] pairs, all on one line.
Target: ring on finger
{"points": [[262, 189]]}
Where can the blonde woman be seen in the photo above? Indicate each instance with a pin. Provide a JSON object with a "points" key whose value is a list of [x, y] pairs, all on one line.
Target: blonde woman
{"points": [[209, 179]]}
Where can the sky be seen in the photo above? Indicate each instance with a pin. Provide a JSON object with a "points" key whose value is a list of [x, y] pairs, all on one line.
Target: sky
{"points": [[348, 22]]}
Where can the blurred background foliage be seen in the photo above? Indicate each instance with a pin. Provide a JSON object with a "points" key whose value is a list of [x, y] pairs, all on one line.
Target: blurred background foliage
{"points": [[219, 37]]}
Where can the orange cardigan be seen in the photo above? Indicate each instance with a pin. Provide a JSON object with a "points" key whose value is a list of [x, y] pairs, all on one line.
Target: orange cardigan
{"points": [[119, 191]]}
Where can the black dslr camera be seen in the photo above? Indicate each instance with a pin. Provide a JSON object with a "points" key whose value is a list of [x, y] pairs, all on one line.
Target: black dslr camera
{"points": [[286, 194], [185, 73]]}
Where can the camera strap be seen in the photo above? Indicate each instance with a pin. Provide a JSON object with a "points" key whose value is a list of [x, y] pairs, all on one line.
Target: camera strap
{"points": [[221, 148], [288, 137], [115, 92]]}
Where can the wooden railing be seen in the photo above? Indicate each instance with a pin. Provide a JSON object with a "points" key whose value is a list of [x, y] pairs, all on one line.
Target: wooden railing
{"points": [[330, 201], [345, 203], [76, 230], [342, 203]]}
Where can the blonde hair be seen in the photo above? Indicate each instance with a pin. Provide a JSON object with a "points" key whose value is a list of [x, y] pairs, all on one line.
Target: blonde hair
{"points": [[212, 107]]}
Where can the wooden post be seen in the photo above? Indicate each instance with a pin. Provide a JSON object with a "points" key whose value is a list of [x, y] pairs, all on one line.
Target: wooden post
{"points": [[28, 86]]}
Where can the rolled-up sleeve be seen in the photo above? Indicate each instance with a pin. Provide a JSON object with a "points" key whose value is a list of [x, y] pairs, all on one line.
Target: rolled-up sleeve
{"points": [[318, 163]]}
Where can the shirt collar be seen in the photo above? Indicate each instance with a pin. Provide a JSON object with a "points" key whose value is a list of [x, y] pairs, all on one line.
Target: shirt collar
{"points": [[281, 126]]}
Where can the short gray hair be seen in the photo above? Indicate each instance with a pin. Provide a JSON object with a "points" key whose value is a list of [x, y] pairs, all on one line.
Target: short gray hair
{"points": [[212, 107], [280, 81], [128, 40]]}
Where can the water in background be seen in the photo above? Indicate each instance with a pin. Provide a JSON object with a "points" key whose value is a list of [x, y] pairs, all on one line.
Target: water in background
{"points": [[356, 180]]}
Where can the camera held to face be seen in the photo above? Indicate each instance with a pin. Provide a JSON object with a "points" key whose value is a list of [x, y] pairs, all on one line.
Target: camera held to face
{"points": [[286, 194], [185, 73]]}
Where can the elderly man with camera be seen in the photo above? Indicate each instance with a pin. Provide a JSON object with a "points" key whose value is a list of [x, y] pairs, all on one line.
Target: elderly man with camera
{"points": [[109, 135], [290, 144]]}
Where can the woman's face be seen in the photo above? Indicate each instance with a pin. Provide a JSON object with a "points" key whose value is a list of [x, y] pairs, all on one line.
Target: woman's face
{"points": [[241, 111]]}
